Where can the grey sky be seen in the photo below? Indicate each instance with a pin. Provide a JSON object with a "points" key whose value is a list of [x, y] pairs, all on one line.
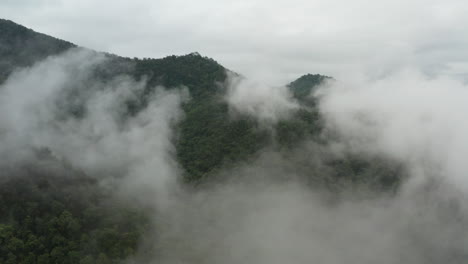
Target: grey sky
{"points": [[274, 40]]}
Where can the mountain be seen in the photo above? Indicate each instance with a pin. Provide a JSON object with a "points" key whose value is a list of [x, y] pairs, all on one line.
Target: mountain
{"points": [[48, 218], [302, 87], [21, 46]]}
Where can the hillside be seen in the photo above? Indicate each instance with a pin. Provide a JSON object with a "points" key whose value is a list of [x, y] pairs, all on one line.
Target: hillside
{"points": [[52, 212], [21, 46]]}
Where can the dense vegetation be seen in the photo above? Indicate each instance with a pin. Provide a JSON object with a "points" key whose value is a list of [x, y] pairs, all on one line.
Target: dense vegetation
{"points": [[304, 85], [52, 213], [63, 216]]}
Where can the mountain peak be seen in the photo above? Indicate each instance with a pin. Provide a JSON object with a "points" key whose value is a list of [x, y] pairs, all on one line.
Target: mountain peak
{"points": [[304, 85]]}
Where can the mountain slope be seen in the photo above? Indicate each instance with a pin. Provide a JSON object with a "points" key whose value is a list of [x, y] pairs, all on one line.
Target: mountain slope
{"points": [[51, 212], [21, 46], [208, 137]]}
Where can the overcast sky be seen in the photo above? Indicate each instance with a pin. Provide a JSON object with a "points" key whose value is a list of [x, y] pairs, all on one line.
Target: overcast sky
{"points": [[272, 39]]}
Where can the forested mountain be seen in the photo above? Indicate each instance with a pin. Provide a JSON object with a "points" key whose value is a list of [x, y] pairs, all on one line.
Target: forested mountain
{"points": [[49, 217], [20, 47]]}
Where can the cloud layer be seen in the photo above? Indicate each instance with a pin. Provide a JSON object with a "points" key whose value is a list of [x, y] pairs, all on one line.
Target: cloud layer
{"points": [[259, 216], [407, 116], [104, 140]]}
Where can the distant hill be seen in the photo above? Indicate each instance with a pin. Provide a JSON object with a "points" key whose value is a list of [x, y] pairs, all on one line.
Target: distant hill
{"points": [[304, 85]]}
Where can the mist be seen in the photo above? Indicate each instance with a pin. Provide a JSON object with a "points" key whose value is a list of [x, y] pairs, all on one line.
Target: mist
{"points": [[267, 103], [266, 214], [260, 212], [407, 116], [132, 154]]}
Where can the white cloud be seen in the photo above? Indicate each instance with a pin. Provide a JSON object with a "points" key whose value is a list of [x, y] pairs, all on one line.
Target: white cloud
{"points": [[418, 120], [265, 102], [107, 142]]}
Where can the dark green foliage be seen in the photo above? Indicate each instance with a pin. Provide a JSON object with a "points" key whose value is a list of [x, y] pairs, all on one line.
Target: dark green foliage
{"points": [[62, 217], [209, 138], [304, 86], [303, 124], [201, 75], [376, 174]]}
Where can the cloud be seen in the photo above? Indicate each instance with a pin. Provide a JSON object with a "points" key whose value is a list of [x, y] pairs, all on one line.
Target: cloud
{"points": [[105, 141], [265, 102], [262, 213], [408, 116], [276, 222]]}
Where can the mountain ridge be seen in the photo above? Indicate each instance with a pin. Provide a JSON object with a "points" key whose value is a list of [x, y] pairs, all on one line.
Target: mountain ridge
{"points": [[17, 42], [56, 213]]}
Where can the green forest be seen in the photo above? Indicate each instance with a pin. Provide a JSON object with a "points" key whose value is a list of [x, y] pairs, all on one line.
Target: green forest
{"points": [[47, 217]]}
